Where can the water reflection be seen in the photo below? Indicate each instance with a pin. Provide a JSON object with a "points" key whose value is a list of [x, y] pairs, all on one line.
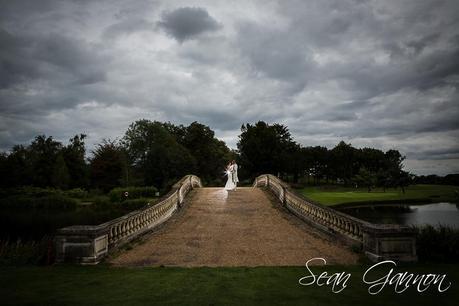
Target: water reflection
{"points": [[434, 214]]}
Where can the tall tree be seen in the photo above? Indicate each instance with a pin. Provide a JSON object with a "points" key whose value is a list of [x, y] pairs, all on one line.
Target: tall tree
{"points": [[108, 165], [60, 177], [318, 161], [365, 178], [344, 161], [155, 153], [44, 151], [264, 148], [210, 154], [74, 156]]}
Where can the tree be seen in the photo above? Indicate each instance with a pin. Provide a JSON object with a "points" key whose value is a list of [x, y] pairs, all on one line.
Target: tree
{"points": [[167, 161], [210, 154], [371, 159], [296, 161], [45, 163], [344, 161], [43, 153], [74, 156], [155, 154], [317, 159], [265, 148], [394, 165], [108, 165], [365, 178], [60, 178], [404, 180], [17, 167]]}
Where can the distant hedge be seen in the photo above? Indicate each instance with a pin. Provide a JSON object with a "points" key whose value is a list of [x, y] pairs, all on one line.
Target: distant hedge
{"points": [[48, 202], [37, 192], [134, 204], [76, 193], [122, 194]]}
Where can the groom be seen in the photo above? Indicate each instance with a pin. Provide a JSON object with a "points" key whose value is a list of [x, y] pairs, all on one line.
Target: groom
{"points": [[234, 172]]}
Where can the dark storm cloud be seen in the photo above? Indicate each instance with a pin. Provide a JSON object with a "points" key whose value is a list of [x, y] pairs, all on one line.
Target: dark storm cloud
{"points": [[188, 22], [15, 66], [71, 56], [277, 54], [52, 56]]}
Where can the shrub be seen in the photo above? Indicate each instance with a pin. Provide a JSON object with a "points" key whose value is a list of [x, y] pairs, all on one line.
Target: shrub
{"points": [[56, 202], [16, 202], [118, 194], [439, 243], [94, 192], [101, 203], [46, 203], [29, 191], [76, 193], [50, 202], [27, 252], [134, 204]]}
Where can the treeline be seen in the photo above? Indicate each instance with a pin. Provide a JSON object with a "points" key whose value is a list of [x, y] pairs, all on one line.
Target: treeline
{"points": [[268, 148], [149, 153], [153, 153], [450, 179]]}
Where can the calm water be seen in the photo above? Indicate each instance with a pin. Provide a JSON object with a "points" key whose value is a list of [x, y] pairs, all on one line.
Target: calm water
{"points": [[434, 214]]}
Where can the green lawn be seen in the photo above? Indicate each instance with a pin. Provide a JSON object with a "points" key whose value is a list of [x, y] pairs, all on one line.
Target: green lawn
{"points": [[104, 285], [416, 193]]}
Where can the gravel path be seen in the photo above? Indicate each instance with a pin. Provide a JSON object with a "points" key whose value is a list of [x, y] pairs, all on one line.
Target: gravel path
{"points": [[246, 227]]}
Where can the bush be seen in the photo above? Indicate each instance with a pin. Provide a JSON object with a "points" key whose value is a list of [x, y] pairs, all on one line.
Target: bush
{"points": [[438, 244], [134, 204], [51, 202], [118, 194], [101, 203], [29, 191], [56, 202], [76, 193], [27, 252]]}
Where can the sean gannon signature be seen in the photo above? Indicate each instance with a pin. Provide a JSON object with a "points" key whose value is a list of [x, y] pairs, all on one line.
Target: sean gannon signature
{"points": [[401, 281]]}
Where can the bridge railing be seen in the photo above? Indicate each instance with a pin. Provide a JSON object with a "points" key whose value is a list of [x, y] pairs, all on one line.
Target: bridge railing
{"points": [[378, 241], [89, 244]]}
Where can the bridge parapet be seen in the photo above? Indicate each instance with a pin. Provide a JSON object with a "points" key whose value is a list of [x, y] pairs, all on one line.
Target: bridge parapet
{"points": [[89, 244], [378, 241]]}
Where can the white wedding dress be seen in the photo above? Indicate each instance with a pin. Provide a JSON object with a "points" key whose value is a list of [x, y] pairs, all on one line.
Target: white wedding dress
{"points": [[230, 185]]}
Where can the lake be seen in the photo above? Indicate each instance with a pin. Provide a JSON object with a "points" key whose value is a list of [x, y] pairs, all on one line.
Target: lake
{"points": [[433, 214]]}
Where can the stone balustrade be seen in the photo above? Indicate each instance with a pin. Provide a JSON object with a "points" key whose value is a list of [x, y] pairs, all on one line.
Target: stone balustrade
{"points": [[89, 244], [378, 241]]}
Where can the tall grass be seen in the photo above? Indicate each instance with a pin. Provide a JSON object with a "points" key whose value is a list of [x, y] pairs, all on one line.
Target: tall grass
{"points": [[19, 252], [437, 244]]}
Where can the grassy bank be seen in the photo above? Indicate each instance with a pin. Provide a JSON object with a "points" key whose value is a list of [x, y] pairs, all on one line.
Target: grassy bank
{"points": [[103, 285], [332, 195]]}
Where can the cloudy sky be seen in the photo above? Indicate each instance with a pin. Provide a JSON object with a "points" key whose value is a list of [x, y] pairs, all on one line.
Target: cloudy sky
{"points": [[383, 74]]}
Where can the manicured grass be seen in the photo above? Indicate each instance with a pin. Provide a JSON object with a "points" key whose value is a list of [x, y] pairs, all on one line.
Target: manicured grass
{"points": [[103, 285], [331, 195]]}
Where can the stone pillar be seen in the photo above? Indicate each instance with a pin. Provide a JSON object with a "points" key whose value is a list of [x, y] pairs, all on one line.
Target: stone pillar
{"points": [[384, 242], [81, 244]]}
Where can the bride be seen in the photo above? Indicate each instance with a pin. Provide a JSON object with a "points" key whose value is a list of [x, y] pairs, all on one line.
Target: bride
{"points": [[230, 185]]}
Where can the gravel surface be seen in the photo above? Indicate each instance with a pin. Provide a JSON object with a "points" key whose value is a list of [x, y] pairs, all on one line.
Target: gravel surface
{"points": [[245, 227]]}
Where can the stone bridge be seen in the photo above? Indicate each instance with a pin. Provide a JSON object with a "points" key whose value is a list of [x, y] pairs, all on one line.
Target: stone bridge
{"points": [[267, 224]]}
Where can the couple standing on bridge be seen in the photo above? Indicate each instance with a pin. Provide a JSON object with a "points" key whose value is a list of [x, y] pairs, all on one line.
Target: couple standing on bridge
{"points": [[231, 172]]}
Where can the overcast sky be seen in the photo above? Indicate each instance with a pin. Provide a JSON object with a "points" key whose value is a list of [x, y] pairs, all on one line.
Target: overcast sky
{"points": [[383, 74]]}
